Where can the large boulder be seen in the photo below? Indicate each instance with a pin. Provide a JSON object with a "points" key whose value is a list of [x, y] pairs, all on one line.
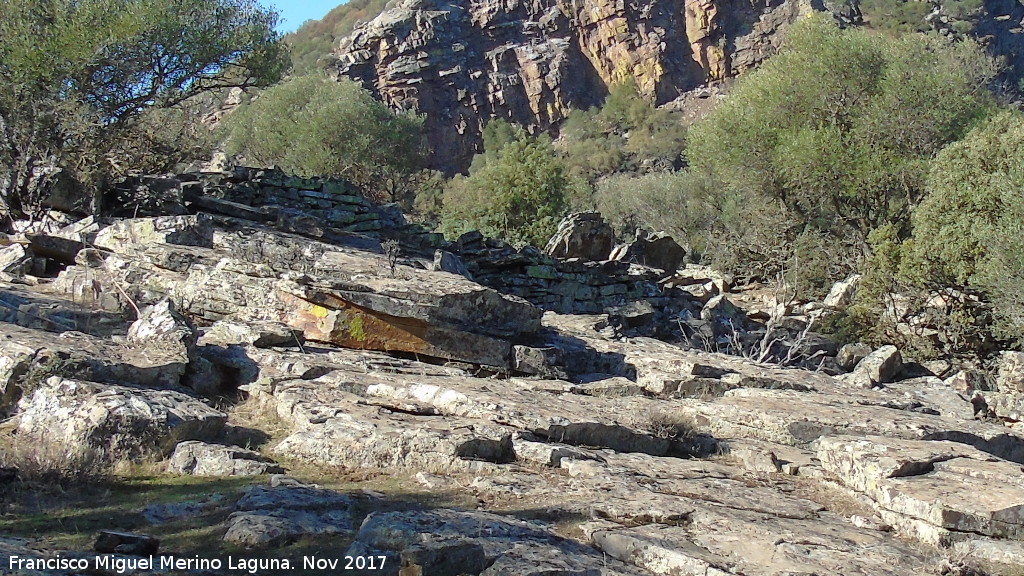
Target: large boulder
{"points": [[656, 250], [118, 421], [582, 235], [204, 459], [880, 367]]}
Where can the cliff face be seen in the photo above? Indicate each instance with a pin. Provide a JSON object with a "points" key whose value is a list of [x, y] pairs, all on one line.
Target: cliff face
{"points": [[531, 61]]}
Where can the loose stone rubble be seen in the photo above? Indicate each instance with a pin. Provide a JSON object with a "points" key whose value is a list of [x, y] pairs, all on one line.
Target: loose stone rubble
{"points": [[591, 446]]}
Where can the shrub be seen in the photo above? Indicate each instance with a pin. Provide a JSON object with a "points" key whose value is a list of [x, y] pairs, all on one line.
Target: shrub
{"points": [[626, 134], [967, 232], [77, 79], [841, 125], [314, 126], [518, 196]]}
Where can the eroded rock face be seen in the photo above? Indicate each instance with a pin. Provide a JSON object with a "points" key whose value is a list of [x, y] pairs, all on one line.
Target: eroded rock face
{"points": [[531, 62], [117, 421]]}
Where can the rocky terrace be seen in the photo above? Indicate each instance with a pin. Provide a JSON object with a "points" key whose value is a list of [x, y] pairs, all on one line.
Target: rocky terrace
{"points": [[229, 342]]}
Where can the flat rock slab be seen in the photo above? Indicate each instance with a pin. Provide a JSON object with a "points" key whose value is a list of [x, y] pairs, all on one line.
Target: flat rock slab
{"points": [[122, 422], [939, 492], [275, 515], [334, 426], [424, 539], [720, 541], [799, 419]]}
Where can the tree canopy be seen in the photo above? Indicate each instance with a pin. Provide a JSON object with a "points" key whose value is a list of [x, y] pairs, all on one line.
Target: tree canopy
{"points": [[517, 193], [76, 75], [840, 125], [312, 125]]}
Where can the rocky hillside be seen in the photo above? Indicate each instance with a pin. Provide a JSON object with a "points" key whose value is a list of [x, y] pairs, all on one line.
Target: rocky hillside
{"points": [[580, 404], [463, 64]]}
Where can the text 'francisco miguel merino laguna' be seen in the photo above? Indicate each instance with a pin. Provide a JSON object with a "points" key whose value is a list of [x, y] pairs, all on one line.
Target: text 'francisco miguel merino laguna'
{"points": [[126, 564]]}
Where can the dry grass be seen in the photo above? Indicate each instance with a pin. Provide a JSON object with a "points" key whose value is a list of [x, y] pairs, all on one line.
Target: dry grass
{"points": [[49, 463], [670, 425]]}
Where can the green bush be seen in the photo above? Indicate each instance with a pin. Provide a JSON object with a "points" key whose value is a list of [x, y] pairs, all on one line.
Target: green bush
{"points": [[626, 134], [839, 129], [897, 15], [967, 232], [79, 79], [316, 38], [631, 201], [519, 195], [314, 126]]}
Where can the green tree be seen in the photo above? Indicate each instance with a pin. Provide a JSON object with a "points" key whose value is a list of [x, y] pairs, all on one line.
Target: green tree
{"points": [[841, 125], [518, 196], [315, 39], [967, 233], [76, 76], [311, 125], [626, 134]]}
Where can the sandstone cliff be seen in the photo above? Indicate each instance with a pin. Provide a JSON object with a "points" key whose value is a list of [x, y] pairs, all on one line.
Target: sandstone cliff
{"points": [[463, 63]]}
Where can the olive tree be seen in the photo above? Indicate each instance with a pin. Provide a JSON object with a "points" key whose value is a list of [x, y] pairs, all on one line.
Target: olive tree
{"points": [[77, 75], [312, 125]]}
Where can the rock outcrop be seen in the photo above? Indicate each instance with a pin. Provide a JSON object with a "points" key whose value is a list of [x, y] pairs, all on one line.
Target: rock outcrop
{"points": [[574, 443], [462, 64]]}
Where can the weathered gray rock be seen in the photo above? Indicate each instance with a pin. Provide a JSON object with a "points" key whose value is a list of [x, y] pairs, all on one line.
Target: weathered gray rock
{"points": [[445, 261], [842, 292], [799, 419], [163, 324], [120, 422], [126, 543], [1010, 378], [582, 235], [181, 230], [14, 259], [968, 381], [268, 517], [657, 250], [203, 459], [851, 354], [15, 361], [727, 319], [437, 540], [256, 333], [880, 367], [938, 492]]}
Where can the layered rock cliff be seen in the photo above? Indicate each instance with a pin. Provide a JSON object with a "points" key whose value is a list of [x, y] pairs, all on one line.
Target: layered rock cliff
{"points": [[531, 61]]}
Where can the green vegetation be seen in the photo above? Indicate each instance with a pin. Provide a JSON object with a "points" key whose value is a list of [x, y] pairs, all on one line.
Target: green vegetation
{"points": [[316, 38], [839, 131], [81, 82], [517, 193], [626, 134], [967, 232], [312, 126]]}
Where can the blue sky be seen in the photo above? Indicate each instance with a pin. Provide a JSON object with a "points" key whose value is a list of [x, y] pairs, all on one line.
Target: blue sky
{"points": [[295, 12]]}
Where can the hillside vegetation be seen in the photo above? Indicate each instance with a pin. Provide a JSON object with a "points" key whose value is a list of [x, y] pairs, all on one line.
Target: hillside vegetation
{"points": [[316, 38]]}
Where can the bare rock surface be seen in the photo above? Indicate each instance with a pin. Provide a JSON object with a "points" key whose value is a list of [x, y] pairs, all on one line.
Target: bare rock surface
{"points": [[204, 459], [270, 516], [590, 449], [116, 420]]}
